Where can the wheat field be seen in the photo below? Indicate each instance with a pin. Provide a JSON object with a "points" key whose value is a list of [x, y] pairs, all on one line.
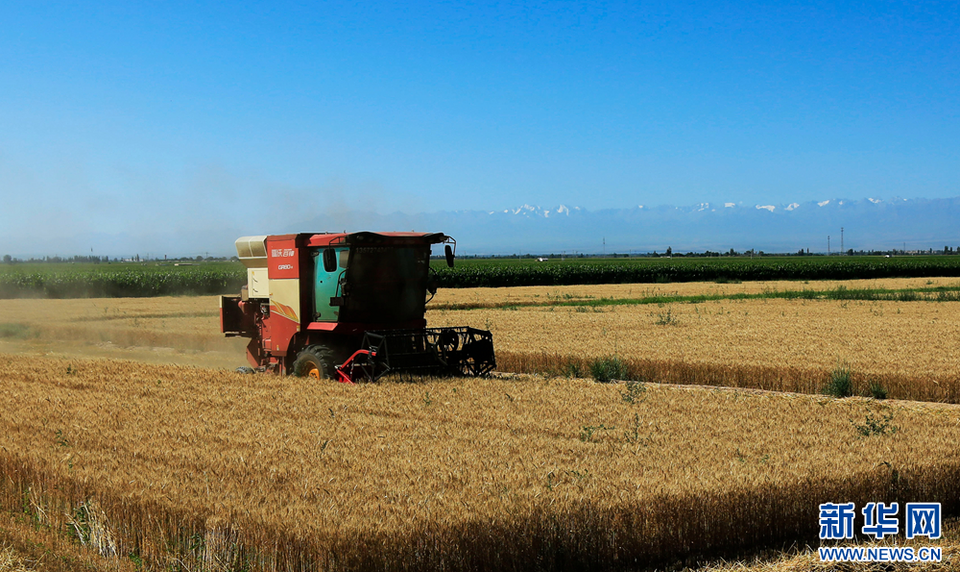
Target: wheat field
{"points": [[455, 474], [879, 337], [908, 338], [161, 461], [790, 345], [278, 473], [766, 343]]}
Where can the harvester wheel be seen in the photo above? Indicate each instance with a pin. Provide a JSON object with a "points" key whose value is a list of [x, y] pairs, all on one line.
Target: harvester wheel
{"points": [[448, 342], [315, 362]]}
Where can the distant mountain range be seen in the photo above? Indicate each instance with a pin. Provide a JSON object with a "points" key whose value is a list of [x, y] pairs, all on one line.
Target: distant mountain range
{"points": [[868, 224]]}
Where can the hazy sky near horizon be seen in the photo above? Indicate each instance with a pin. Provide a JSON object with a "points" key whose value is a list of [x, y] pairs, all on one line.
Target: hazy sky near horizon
{"points": [[152, 117]]}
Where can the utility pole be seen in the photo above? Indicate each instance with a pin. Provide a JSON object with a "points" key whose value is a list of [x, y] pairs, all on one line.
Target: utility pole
{"points": [[828, 245], [841, 241]]}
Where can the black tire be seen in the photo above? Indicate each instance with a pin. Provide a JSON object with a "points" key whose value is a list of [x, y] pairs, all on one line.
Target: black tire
{"points": [[315, 362], [246, 369]]}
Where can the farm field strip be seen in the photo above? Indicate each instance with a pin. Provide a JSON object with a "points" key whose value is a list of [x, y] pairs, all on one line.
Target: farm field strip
{"points": [[909, 343], [664, 270], [67, 280], [537, 295], [118, 280], [769, 343], [163, 329], [940, 294], [462, 474]]}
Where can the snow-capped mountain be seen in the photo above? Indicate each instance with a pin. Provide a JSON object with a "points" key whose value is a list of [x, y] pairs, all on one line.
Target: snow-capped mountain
{"points": [[867, 224], [532, 211]]}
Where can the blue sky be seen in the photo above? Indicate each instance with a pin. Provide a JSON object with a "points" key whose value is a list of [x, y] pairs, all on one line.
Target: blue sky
{"points": [[152, 118]]}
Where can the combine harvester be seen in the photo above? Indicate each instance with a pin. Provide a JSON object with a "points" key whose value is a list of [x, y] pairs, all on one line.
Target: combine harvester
{"points": [[347, 306]]}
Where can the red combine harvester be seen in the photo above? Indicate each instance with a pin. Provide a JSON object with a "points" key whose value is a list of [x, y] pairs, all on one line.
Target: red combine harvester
{"points": [[347, 306]]}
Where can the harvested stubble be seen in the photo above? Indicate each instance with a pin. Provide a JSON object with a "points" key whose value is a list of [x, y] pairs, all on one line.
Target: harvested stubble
{"points": [[27, 546], [183, 322], [790, 345], [10, 561], [278, 473], [808, 560], [181, 330]]}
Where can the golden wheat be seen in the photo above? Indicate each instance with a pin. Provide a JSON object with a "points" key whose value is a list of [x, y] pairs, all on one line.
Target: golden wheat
{"points": [[455, 474], [780, 344], [880, 337]]}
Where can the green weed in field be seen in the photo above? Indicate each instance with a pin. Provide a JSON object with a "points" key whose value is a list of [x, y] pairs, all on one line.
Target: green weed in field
{"points": [[608, 369], [840, 383]]}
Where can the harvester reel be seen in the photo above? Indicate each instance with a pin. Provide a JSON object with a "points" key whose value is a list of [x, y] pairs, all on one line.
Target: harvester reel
{"points": [[448, 341], [432, 351], [477, 357]]}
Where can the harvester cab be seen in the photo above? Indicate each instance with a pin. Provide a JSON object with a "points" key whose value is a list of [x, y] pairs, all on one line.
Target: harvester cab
{"points": [[347, 306]]}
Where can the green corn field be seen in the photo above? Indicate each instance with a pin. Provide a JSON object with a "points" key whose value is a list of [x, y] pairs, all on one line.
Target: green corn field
{"points": [[66, 280]]}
